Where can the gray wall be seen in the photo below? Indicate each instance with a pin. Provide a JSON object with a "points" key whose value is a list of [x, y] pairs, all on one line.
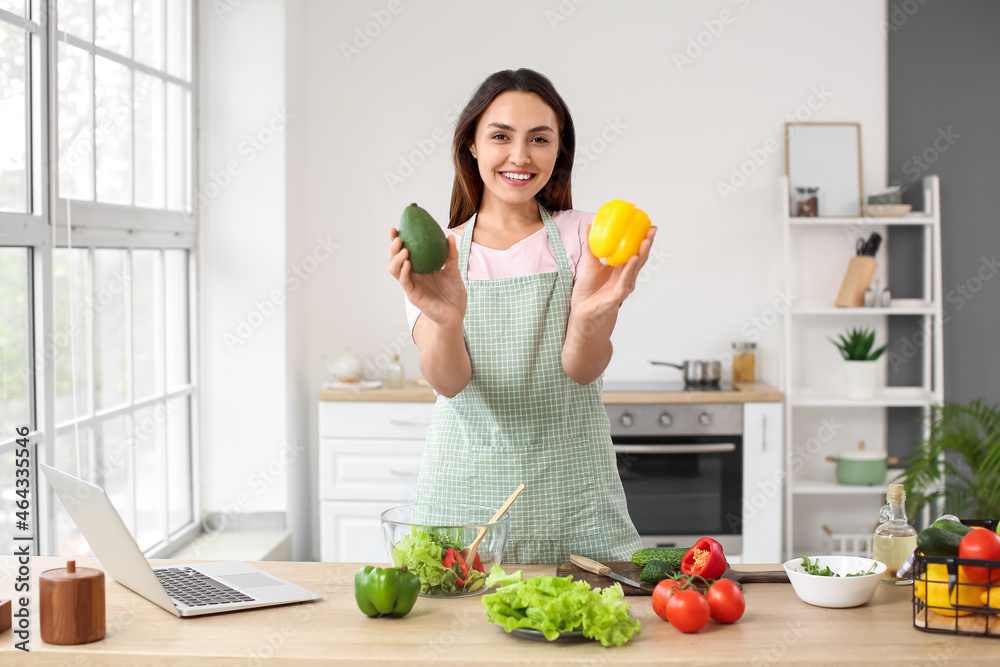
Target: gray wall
{"points": [[944, 119]]}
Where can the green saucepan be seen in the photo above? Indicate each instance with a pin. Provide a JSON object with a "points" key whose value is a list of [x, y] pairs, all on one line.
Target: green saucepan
{"points": [[860, 468]]}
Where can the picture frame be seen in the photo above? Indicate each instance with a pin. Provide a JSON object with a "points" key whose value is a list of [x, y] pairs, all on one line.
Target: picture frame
{"points": [[823, 165]]}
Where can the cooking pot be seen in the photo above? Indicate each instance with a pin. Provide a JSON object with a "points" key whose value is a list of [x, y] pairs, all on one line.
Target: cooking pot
{"points": [[697, 372], [857, 467]]}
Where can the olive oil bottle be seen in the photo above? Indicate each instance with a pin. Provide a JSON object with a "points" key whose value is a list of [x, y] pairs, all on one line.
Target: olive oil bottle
{"points": [[894, 539]]}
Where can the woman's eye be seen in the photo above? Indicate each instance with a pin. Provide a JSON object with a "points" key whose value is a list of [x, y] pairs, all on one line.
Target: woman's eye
{"points": [[541, 140], [499, 136]]}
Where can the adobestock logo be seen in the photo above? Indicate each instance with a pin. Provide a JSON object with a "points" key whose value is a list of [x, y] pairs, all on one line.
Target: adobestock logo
{"points": [[587, 153], [740, 175], [248, 149], [425, 147], [701, 41], [562, 12], [295, 277], [363, 35]]}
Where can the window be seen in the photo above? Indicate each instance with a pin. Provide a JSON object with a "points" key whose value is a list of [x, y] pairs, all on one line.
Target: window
{"points": [[96, 291]]}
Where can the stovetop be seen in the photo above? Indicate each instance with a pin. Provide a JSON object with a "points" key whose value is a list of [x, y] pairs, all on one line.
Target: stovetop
{"points": [[660, 387]]}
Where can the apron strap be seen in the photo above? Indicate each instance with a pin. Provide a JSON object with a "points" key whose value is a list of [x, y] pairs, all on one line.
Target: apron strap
{"points": [[464, 245]]}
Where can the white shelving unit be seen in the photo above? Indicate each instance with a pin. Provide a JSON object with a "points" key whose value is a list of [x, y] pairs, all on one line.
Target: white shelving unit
{"points": [[819, 418]]}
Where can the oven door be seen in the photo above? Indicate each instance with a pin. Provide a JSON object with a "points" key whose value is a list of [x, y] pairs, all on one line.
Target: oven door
{"points": [[679, 489]]}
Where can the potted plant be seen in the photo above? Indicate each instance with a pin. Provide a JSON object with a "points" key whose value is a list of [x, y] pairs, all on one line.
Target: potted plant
{"points": [[859, 361], [958, 463]]}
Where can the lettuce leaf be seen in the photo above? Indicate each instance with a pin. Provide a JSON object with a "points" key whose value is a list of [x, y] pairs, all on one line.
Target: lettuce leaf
{"points": [[497, 577], [423, 554], [554, 605]]}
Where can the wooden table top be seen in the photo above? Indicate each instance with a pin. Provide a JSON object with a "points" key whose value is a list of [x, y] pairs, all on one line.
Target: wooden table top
{"points": [[756, 392], [777, 628]]}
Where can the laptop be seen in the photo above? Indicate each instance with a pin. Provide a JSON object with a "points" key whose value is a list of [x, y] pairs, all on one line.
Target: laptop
{"points": [[183, 590]]}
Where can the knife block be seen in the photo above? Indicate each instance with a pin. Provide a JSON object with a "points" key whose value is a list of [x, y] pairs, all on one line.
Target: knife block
{"points": [[72, 604], [858, 278]]}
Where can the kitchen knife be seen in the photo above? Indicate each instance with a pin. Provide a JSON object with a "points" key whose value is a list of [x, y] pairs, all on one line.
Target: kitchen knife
{"points": [[600, 568], [873, 243]]}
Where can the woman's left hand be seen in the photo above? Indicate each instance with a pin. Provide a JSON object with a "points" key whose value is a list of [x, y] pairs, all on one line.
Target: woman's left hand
{"points": [[600, 289]]}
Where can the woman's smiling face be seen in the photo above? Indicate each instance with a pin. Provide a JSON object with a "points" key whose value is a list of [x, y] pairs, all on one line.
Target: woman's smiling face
{"points": [[516, 146]]}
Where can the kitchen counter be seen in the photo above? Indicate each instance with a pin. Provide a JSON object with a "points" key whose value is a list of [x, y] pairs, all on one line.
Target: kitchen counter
{"points": [[757, 392], [777, 628]]}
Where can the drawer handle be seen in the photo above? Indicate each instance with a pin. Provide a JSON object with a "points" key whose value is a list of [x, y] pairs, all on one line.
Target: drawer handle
{"points": [[410, 422], [676, 449], [406, 472]]}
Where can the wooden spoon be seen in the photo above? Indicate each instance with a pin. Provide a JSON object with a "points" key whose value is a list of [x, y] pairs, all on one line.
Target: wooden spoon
{"points": [[469, 552]]}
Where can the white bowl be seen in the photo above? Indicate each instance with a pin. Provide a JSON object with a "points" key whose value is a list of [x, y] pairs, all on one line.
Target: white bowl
{"points": [[888, 210], [835, 592]]}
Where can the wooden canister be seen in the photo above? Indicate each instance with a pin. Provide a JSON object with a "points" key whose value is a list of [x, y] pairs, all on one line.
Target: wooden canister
{"points": [[72, 604]]}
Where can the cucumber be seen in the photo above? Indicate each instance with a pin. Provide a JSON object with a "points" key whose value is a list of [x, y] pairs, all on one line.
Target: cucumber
{"points": [[656, 571], [938, 542], [959, 529], [669, 554]]}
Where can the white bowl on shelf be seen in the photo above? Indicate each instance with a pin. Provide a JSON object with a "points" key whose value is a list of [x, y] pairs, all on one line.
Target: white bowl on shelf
{"points": [[888, 210], [835, 592]]}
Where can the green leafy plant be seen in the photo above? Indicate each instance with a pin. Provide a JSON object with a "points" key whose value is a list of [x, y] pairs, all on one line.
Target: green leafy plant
{"points": [[857, 345], [958, 463]]}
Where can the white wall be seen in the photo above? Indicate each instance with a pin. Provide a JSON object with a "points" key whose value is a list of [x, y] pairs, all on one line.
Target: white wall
{"points": [[661, 134], [242, 263]]}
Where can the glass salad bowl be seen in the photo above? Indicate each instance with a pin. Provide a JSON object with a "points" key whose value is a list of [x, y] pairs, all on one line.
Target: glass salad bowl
{"points": [[428, 539]]}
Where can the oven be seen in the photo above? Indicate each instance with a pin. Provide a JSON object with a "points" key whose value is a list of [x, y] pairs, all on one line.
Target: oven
{"points": [[681, 465]]}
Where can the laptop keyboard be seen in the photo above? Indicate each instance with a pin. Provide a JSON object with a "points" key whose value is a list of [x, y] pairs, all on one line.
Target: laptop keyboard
{"points": [[195, 589]]}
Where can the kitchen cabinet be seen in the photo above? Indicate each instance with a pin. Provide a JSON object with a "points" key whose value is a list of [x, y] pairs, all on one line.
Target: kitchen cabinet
{"points": [[763, 482], [369, 455], [820, 420]]}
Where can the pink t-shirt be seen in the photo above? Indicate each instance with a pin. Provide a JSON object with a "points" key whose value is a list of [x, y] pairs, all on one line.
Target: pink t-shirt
{"points": [[526, 257]]}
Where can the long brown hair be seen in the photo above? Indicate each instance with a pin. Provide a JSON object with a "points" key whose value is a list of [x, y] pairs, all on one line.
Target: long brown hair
{"points": [[467, 190]]}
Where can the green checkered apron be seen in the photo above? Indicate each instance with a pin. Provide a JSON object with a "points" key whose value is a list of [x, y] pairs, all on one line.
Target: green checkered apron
{"points": [[521, 419]]}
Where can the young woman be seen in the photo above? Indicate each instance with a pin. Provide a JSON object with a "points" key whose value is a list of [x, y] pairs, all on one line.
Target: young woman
{"points": [[514, 333]]}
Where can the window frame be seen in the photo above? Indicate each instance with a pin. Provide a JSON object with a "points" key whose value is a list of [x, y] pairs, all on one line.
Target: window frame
{"points": [[96, 225]]}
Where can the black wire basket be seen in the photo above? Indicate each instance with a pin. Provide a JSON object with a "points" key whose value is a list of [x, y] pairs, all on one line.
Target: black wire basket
{"points": [[942, 603]]}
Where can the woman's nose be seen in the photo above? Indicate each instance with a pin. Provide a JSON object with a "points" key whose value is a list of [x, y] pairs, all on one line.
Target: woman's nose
{"points": [[519, 153]]}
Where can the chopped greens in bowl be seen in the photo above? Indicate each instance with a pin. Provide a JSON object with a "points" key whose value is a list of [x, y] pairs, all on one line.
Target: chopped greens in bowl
{"points": [[428, 540], [835, 581], [813, 568]]}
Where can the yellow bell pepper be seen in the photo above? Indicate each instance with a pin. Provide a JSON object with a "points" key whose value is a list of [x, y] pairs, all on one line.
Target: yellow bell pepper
{"points": [[991, 597], [618, 230], [932, 588]]}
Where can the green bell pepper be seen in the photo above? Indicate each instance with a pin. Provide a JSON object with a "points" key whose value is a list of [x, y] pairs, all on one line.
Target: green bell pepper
{"points": [[387, 590]]}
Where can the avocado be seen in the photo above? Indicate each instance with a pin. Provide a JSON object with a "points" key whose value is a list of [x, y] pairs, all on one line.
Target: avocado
{"points": [[423, 237]]}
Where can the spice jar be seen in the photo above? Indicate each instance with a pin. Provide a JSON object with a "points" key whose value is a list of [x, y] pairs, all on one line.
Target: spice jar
{"points": [[71, 605], [395, 378], [744, 362], [806, 202]]}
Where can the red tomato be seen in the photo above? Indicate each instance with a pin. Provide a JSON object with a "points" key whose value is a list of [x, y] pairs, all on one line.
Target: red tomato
{"points": [[688, 611], [980, 545], [726, 601], [661, 595]]}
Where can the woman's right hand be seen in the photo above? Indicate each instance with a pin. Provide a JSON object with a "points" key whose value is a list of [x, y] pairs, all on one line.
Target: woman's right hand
{"points": [[440, 296]]}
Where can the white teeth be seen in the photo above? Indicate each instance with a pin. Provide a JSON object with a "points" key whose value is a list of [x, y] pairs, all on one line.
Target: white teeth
{"points": [[517, 177]]}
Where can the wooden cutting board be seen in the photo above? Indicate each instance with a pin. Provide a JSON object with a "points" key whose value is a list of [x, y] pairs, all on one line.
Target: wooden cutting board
{"points": [[632, 571]]}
